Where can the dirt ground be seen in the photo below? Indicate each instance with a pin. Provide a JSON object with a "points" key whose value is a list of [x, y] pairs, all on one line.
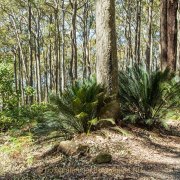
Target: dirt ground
{"points": [[136, 154]]}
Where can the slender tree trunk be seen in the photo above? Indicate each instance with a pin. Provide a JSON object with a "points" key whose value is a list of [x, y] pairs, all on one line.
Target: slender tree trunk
{"points": [[163, 34], [20, 47], [73, 63], [178, 45], [30, 50], [46, 76], [89, 57], [130, 33], [15, 71], [56, 51], [149, 43], [21, 78], [139, 34], [38, 73], [85, 40], [63, 49], [50, 59], [136, 32]]}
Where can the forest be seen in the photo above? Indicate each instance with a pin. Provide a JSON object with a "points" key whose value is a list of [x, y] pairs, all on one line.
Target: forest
{"points": [[89, 89]]}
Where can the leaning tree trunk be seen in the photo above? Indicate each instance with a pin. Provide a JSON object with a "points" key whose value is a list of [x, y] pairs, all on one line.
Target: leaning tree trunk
{"points": [[107, 66]]}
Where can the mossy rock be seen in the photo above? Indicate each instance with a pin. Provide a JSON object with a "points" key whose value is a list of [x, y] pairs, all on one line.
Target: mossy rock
{"points": [[102, 157], [83, 149], [68, 148]]}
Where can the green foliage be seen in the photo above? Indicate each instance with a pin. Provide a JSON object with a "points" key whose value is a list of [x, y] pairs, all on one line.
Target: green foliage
{"points": [[17, 117], [6, 78], [6, 122], [29, 91], [77, 108], [8, 97], [146, 97]]}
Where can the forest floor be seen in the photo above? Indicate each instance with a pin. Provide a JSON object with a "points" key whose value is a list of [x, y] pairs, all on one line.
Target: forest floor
{"points": [[136, 154]]}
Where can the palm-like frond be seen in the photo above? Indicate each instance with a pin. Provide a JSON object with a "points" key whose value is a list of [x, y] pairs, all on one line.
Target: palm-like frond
{"points": [[144, 96], [78, 105]]}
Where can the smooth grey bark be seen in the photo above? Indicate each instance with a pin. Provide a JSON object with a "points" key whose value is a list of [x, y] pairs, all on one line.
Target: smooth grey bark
{"points": [[107, 65]]}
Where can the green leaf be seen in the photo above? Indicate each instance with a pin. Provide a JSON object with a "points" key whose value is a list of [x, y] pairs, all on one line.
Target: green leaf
{"points": [[82, 115], [111, 120], [94, 104], [77, 105], [93, 122]]}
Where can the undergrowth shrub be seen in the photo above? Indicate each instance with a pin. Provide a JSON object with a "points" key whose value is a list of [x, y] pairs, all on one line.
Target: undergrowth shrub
{"points": [[18, 116], [146, 97], [6, 122], [77, 109]]}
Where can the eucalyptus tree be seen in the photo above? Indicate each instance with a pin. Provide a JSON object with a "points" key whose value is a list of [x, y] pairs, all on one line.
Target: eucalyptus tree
{"points": [[52, 43], [169, 34], [107, 65], [149, 43]]}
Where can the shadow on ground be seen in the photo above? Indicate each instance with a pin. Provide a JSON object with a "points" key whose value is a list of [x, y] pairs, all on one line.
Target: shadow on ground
{"points": [[123, 168], [115, 170]]}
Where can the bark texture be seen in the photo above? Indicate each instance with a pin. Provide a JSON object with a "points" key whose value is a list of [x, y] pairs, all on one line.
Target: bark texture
{"points": [[107, 66], [172, 33], [169, 34], [178, 40]]}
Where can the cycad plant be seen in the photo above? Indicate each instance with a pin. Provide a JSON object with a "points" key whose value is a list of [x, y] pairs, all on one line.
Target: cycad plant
{"points": [[146, 97], [77, 108]]}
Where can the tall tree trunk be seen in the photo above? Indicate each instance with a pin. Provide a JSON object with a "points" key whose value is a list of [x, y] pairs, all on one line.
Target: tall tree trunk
{"points": [[107, 66], [30, 50], [85, 40], [21, 78], [57, 47], [38, 58], [56, 52], [15, 71], [139, 34], [63, 49], [178, 45], [46, 76], [149, 43], [163, 31], [20, 46], [169, 34], [136, 32], [38, 71], [172, 8], [73, 63], [130, 33]]}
